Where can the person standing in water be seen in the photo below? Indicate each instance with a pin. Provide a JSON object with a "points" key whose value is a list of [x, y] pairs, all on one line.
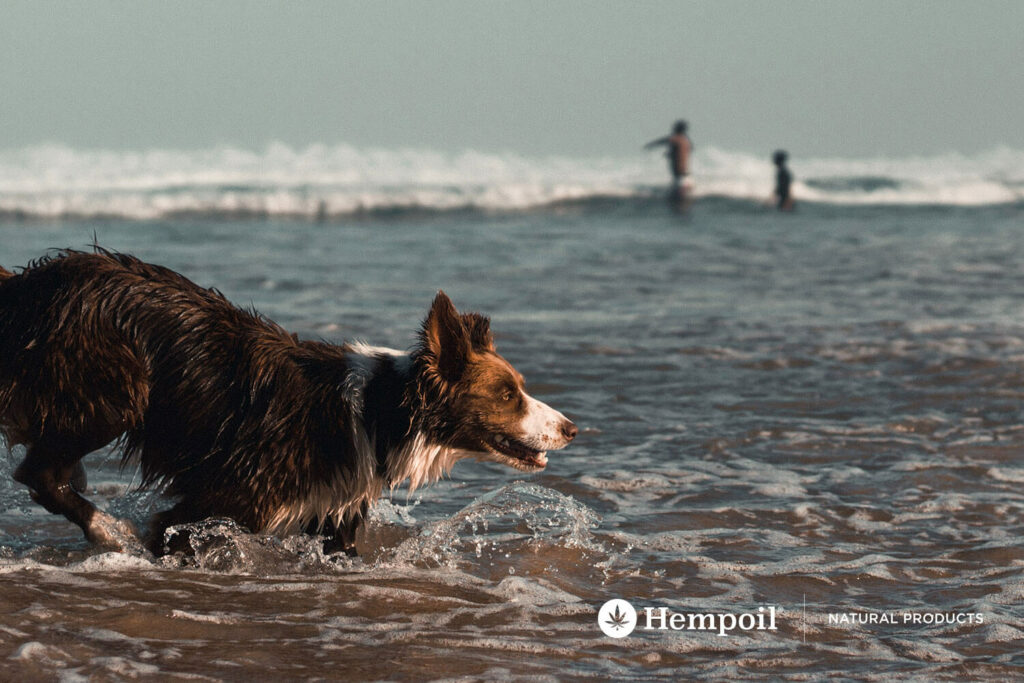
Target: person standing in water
{"points": [[783, 182], [678, 154]]}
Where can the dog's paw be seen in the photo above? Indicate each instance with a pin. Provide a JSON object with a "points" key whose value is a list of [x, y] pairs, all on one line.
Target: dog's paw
{"points": [[112, 533]]}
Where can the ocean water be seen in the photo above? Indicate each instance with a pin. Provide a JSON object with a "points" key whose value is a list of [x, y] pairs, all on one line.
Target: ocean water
{"points": [[817, 413]]}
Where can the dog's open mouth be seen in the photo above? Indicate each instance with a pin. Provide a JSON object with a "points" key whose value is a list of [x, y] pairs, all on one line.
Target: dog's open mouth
{"points": [[516, 453]]}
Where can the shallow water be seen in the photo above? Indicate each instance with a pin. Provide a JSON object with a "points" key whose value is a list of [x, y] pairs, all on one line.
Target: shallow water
{"points": [[818, 412]]}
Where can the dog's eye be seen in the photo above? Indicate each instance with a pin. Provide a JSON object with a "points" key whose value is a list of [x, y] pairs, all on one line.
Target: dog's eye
{"points": [[507, 395]]}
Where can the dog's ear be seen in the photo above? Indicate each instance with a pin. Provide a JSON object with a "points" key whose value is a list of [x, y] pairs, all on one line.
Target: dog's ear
{"points": [[445, 339], [479, 328]]}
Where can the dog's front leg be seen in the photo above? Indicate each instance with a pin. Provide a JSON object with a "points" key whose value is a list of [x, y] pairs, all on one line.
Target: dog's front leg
{"points": [[339, 537]]}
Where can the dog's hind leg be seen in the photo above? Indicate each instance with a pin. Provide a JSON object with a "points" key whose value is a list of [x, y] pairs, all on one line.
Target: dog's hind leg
{"points": [[79, 480], [52, 477]]}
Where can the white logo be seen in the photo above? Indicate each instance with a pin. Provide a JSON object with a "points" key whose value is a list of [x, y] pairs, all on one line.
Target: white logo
{"points": [[617, 618]]}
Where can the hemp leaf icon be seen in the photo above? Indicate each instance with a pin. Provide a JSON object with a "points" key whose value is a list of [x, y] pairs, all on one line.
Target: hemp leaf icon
{"points": [[617, 620]]}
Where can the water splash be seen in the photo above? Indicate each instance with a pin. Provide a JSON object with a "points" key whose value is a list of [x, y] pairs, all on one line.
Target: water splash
{"points": [[517, 529], [223, 546]]}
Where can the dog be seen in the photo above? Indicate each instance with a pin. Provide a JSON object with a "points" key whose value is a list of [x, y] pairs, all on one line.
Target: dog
{"points": [[235, 417]]}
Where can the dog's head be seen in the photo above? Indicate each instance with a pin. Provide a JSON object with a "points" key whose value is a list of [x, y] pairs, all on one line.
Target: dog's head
{"points": [[476, 401]]}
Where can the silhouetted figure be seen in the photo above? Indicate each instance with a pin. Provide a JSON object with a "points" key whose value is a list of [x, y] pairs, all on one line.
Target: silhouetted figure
{"points": [[678, 154], [783, 182]]}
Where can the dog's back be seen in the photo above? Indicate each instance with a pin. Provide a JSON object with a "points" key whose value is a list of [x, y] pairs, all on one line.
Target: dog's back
{"points": [[96, 332]]}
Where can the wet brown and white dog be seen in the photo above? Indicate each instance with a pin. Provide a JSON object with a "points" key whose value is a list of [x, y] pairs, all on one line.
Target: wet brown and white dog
{"points": [[234, 416]]}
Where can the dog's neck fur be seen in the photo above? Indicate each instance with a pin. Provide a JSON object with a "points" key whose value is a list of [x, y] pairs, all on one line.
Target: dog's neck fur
{"points": [[385, 404], [390, 441]]}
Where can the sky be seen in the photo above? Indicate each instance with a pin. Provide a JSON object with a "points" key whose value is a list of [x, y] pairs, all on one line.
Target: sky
{"points": [[856, 79]]}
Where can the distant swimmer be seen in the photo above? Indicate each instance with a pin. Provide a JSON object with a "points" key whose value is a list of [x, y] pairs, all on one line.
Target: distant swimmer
{"points": [[783, 197], [679, 148]]}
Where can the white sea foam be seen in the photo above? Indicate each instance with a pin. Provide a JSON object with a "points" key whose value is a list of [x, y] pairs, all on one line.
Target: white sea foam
{"points": [[217, 618], [54, 181], [38, 651]]}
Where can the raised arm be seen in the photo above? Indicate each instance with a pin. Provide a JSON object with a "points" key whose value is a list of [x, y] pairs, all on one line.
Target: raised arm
{"points": [[657, 143]]}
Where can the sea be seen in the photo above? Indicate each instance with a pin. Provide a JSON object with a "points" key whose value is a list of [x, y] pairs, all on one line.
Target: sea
{"points": [[800, 433]]}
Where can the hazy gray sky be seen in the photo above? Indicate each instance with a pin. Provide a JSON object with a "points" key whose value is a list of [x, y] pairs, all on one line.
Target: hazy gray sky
{"points": [[859, 78]]}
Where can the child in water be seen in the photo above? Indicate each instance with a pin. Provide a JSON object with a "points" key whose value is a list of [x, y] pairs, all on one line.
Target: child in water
{"points": [[783, 182]]}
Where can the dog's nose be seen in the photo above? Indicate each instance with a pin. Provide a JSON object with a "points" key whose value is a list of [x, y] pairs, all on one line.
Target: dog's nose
{"points": [[569, 430]]}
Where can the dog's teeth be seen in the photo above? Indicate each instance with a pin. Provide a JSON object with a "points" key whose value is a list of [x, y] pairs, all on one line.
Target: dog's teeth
{"points": [[542, 458]]}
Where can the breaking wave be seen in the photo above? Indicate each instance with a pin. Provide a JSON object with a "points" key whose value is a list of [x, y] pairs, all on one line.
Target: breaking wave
{"points": [[320, 182]]}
